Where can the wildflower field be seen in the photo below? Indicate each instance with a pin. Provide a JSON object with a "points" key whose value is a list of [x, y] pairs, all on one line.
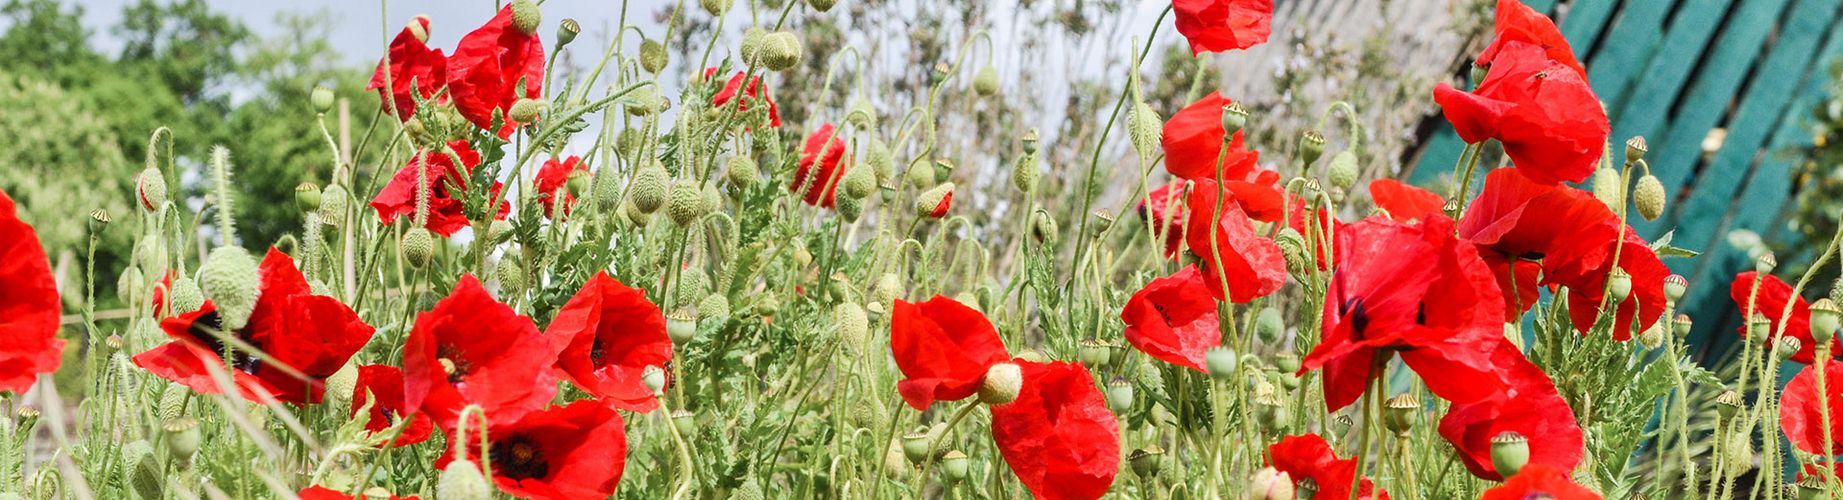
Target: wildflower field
{"points": [[734, 259]]}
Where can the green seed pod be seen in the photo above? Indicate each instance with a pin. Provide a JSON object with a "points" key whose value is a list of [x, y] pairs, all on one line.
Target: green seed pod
{"points": [[1094, 353], [526, 17], [653, 56], [1343, 170], [462, 481], [1635, 149], [685, 205], [1648, 197], [781, 51], [1675, 286], [715, 7], [307, 197], [742, 172], [1400, 413], [1728, 403], [1146, 129], [1147, 461], [321, 98], [954, 466], [985, 82], [654, 377], [150, 190], [1619, 284], [229, 278], [1119, 395], [1311, 146], [915, 446], [681, 326], [567, 31], [648, 191], [529, 110], [1681, 325], [182, 437], [333, 200], [418, 247], [1234, 118], [1765, 263], [1509, 453], [1824, 320]]}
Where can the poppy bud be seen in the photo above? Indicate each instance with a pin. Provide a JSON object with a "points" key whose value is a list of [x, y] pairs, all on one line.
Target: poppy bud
{"points": [[1270, 484], [821, 5], [182, 437], [1343, 171], [1648, 197], [1635, 148], [1824, 320], [567, 31], [333, 199], [862, 114], [1234, 117], [714, 309], [654, 377], [1765, 263], [853, 327], [1786, 346], [1221, 361], [1674, 286], [887, 289], [511, 276], [753, 42], [1147, 461], [1728, 403], [1094, 353], [418, 247], [648, 191], [1619, 284], [1043, 227], [526, 17], [922, 177], [1739, 451], [915, 446], [1400, 412], [1024, 173], [143, 470], [150, 190], [653, 56], [1652, 337], [859, 183], [321, 98], [1311, 146], [934, 202], [340, 384], [415, 27], [1146, 130], [877, 157], [1269, 325], [781, 51], [985, 82], [1681, 325], [1509, 452], [645, 101], [686, 204], [229, 278], [715, 7], [954, 465], [184, 296], [1119, 395], [462, 481], [681, 326], [849, 209], [1001, 384], [527, 110], [1607, 187]]}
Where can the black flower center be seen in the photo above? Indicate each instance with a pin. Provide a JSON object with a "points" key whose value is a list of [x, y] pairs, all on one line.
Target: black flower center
{"points": [[208, 330], [518, 457], [457, 366], [1354, 313]]}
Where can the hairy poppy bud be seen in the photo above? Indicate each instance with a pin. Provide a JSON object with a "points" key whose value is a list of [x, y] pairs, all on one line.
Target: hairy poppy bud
{"points": [[715, 7], [1147, 461], [1824, 320], [1234, 117], [229, 278], [1400, 412], [1728, 403], [1119, 395], [741, 172], [822, 5], [1652, 337], [654, 377], [1270, 484], [1024, 173], [1343, 171], [681, 326], [859, 183], [714, 309], [340, 384], [887, 289], [418, 247], [686, 204], [462, 481], [853, 327], [528, 110], [1648, 197], [985, 82], [321, 98], [1269, 325], [1608, 188], [1001, 384], [653, 56], [862, 114], [333, 200], [648, 191], [754, 41], [915, 445], [1311, 146], [1509, 452], [1765, 263], [143, 470], [1786, 346], [511, 276], [1221, 361], [922, 176], [1680, 325], [526, 17], [1635, 148], [182, 437], [416, 29], [499, 231], [150, 190], [849, 208], [1619, 284], [781, 51], [1739, 451], [1674, 287], [1146, 130], [1043, 227], [954, 465], [567, 31], [184, 296], [934, 202]]}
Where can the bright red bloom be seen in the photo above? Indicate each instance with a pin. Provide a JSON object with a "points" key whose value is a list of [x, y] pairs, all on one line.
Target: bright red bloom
{"points": [[1529, 405], [157, 296], [1404, 201], [1801, 411], [1771, 301], [574, 451], [1518, 23], [382, 387], [1174, 319], [607, 335], [1058, 436], [310, 334], [754, 91], [323, 493], [1550, 122], [1540, 481], [1252, 266], [1414, 290], [29, 304], [943, 348], [447, 184], [489, 66], [551, 179], [471, 349], [1223, 25], [1308, 456], [410, 63], [1193, 143], [823, 162]]}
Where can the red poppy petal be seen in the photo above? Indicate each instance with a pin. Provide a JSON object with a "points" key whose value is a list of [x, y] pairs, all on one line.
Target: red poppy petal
{"points": [[1193, 143], [824, 159], [943, 349], [1173, 319], [1222, 25], [1404, 201], [607, 335], [1516, 22], [1540, 481], [500, 362], [29, 305], [1058, 436]]}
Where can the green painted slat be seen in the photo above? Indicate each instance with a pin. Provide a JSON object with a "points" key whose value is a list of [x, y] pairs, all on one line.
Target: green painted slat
{"points": [[1438, 155], [1716, 82], [1616, 67], [1585, 22]]}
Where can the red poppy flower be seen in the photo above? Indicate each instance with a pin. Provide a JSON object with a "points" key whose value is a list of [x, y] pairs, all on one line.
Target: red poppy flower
{"points": [[1801, 411], [1404, 201], [29, 304], [1414, 290], [317, 492], [574, 451], [489, 67], [1058, 436], [382, 387], [446, 187], [1771, 302], [1589, 262], [607, 335], [1164, 208], [1223, 25], [1308, 456], [1520, 23], [1540, 481], [943, 348], [1548, 119], [158, 295], [311, 336], [551, 179], [1528, 405], [1251, 266], [410, 63], [941, 208], [1174, 319], [1193, 143], [733, 86], [471, 349], [823, 162]]}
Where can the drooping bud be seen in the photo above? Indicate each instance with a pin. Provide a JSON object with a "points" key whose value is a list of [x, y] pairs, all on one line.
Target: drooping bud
{"points": [[714, 309], [1001, 384], [567, 31], [781, 51], [1608, 188], [853, 327], [528, 110], [1635, 148], [1311, 146], [511, 276], [462, 480], [1648, 197], [526, 17], [333, 200], [859, 183], [985, 82], [1674, 287], [1343, 170], [1509, 452], [686, 205], [934, 202], [229, 278], [417, 27], [1043, 227], [1146, 129], [653, 57], [150, 190], [1652, 337], [921, 176], [715, 7], [754, 42], [648, 190]]}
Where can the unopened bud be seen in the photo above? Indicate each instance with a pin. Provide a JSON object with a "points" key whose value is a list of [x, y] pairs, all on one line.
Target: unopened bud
{"points": [[781, 51], [1343, 170], [1271, 484], [1146, 129], [653, 57], [418, 247], [526, 17], [1648, 197], [985, 82], [462, 480], [527, 110], [935, 202], [150, 190]]}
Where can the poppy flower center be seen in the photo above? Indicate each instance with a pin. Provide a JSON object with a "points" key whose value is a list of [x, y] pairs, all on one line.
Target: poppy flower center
{"points": [[457, 366], [518, 457], [1354, 314], [597, 351], [207, 330]]}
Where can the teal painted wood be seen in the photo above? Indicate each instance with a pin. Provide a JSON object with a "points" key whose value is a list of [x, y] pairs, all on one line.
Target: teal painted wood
{"points": [[1630, 44], [1585, 21], [1716, 81]]}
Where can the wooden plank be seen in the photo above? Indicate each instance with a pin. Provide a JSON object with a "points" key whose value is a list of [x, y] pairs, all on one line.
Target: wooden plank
{"points": [[1634, 38], [1585, 21]]}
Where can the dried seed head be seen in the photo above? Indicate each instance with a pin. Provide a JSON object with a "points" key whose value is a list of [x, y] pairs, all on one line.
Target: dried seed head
{"points": [[1147, 461], [1635, 148]]}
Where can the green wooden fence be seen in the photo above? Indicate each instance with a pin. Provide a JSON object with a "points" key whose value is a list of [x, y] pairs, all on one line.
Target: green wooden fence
{"points": [[1676, 71]]}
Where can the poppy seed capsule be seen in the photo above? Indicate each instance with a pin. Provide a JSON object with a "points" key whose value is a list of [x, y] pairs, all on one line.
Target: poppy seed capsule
{"points": [[526, 17], [1786, 346], [1270, 411], [462, 481], [1728, 403], [653, 56], [1271, 484], [1824, 320], [1269, 325], [1094, 353], [567, 31], [1681, 325], [307, 197], [321, 98], [1001, 384], [1635, 148], [954, 465], [1400, 412], [418, 247], [915, 446], [182, 437], [1648, 197], [1765, 263], [1311, 146], [985, 82], [1758, 324], [681, 326], [1234, 117], [1674, 287], [1119, 395], [1221, 361], [1509, 452], [654, 377], [1147, 461], [1619, 285]]}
